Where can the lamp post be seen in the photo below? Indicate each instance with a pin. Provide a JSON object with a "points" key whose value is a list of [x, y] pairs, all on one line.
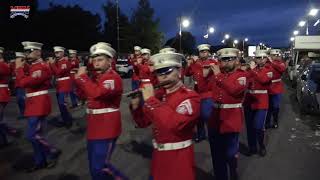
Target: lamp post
{"points": [[243, 41], [182, 23]]}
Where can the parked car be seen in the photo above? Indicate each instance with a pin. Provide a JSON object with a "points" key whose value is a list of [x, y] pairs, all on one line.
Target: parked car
{"points": [[124, 68], [308, 89]]}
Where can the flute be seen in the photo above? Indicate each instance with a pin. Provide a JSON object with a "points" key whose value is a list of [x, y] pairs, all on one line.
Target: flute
{"points": [[137, 91]]}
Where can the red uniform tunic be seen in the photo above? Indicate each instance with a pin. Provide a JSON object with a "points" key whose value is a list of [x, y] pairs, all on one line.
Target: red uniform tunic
{"points": [[74, 65], [173, 116], [105, 93], [4, 87], [135, 75], [145, 73], [259, 83], [196, 71], [61, 70], [228, 89], [279, 67], [36, 80], [13, 73]]}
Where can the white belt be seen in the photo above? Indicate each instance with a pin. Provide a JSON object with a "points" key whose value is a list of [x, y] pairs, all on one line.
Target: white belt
{"points": [[258, 91], [14, 77], [63, 78], [3, 85], [72, 72], [276, 80], [145, 80], [228, 106], [38, 93], [101, 111], [171, 146]]}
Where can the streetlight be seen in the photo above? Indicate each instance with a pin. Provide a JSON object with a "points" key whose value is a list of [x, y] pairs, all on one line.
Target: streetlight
{"points": [[211, 30], [313, 12], [243, 48], [235, 42], [302, 23], [184, 23], [295, 32], [227, 36], [222, 41], [292, 39]]}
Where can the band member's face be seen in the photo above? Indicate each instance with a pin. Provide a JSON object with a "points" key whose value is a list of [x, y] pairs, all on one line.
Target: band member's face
{"points": [[229, 66], [73, 55], [102, 63], [20, 59], [261, 61], [204, 54], [137, 53], [33, 55], [146, 56], [173, 76], [59, 54], [274, 57]]}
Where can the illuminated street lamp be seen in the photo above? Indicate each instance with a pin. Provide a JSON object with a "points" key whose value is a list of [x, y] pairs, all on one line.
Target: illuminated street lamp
{"points": [[222, 41], [313, 12], [211, 30], [295, 32], [227, 36], [183, 23], [302, 23], [292, 39]]}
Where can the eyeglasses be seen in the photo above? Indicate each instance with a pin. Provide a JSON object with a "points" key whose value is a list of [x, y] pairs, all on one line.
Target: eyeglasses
{"points": [[164, 71], [227, 59], [28, 51]]}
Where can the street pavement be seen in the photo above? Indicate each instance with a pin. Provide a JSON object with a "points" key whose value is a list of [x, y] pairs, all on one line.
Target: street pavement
{"points": [[293, 148]]}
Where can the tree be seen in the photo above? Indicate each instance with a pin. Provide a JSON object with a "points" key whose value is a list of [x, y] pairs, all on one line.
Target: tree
{"points": [[145, 27], [188, 42], [110, 28], [69, 26]]}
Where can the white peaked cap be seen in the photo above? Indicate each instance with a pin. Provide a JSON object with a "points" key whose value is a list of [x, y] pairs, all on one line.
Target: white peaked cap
{"points": [[203, 47], [72, 51], [102, 48], [20, 54], [58, 48], [31, 45], [313, 55], [261, 53], [168, 49], [137, 48], [275, 51], [228, 52], [107, 44], [1, 49], [145, 51], [167, 59]]}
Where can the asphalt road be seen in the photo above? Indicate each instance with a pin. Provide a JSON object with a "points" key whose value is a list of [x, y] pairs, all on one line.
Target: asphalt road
{"points": [[293, 149]]}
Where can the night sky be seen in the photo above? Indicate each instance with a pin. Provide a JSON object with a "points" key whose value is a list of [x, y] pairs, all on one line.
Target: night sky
{"points": [[267, 21]]}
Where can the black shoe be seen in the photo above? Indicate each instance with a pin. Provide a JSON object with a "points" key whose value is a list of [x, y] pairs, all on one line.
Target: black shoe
{"points": [[275, 126], [55, 154], [252, 152], [36, 168], [21, 117], [15, 133], [268, 126], [68, 125], [262, 152]]}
